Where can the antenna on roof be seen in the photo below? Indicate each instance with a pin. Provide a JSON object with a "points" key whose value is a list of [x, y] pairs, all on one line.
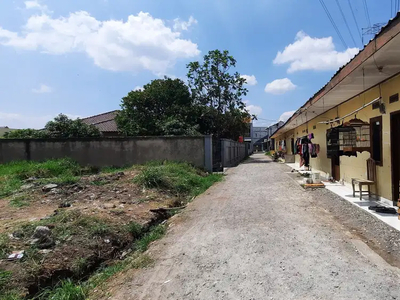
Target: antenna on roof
{"points": [[372, 30]]}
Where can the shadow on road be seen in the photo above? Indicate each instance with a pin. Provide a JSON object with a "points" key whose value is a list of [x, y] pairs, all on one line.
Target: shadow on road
{"points": [[257, 159]]}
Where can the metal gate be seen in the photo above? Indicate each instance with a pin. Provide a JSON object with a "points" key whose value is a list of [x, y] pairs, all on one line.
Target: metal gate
{"points": [[217, 155]]}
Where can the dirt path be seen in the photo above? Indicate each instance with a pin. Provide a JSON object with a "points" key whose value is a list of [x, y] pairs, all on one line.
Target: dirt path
{"points": [[258, 235]]}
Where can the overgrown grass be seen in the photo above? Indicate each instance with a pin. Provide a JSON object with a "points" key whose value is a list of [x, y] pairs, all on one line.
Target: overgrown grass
{"points": [[60, 171], [180, 179], [135, 261], [135, 229], [66, 290], [154, 234], [67, 223]]}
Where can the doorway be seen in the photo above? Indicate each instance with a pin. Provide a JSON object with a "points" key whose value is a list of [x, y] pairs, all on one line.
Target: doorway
{"points": [[335, 166], [292, 145], [395, 154]]}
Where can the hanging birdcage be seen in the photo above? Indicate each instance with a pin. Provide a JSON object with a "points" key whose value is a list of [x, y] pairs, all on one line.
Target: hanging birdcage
{"points": [[357, 139], [353, 136]]}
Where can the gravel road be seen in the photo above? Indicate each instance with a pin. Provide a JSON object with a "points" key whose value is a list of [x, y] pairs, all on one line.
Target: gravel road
{"points": [[259, 235]]}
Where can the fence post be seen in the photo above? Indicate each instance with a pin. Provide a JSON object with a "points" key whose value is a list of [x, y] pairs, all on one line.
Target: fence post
{"points": [[208, 153]]}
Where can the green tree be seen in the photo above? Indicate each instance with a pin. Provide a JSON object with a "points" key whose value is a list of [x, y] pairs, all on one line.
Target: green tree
{"points": [[218, 91], [163, 107], [64, 127], [60, 127], [25, 134]]}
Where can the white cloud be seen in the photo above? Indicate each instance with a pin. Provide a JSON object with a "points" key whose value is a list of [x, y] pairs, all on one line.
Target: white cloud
{"points": [[43, 89], [307, 53], [34, 4], [280, 86], [254, 109], [180, 25], [286, 115], [250, 79], [140, 43], [19, 121], [138, 88]]}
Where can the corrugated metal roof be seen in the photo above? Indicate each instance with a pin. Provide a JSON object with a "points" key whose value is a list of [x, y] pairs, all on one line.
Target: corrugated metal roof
{"points": [[391, 21]]}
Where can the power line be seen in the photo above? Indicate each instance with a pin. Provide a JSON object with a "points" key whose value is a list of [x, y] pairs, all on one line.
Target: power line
{"points": [[345, 21], [391, 8], [367, 13], [355, 20], [333, 22]]}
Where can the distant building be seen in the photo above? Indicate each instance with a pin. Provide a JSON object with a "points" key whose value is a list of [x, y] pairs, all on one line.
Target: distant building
{"points": [[105, 122], [260, 137]]}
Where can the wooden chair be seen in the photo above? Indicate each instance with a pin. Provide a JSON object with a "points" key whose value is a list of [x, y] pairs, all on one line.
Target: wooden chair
{"points": [[371, 175]]}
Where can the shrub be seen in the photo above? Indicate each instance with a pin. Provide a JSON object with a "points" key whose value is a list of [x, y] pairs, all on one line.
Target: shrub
{"points": [[180, 179]]}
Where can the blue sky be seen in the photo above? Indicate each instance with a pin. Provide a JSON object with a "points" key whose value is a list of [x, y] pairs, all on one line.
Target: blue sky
{"points": [[80, 57]]}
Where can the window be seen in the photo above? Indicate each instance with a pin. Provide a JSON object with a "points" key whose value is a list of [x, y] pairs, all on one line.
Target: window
{"points": [[376, 139], [394, 98], [375, 105]]}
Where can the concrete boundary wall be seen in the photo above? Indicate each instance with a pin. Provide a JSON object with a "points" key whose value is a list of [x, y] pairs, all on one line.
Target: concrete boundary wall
{"points": [[233, 153], [117, 152]]}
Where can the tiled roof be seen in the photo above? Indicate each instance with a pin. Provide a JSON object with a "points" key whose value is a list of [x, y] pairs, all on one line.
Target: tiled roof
{"points": [[104, 122]]}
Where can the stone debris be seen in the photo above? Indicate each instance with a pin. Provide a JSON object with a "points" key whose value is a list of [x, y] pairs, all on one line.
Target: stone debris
{"points": [[48, 187], [27, 187], [42, 237]]}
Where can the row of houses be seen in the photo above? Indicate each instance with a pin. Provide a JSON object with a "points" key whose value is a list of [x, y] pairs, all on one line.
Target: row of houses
{"points": [[259, 138], [354, 117]]}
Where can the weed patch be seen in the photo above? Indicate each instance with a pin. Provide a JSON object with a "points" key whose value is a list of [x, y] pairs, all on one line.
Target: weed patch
{"points": [[154, 233], [66, 290], [135, 229], [60, 171], [69, 223], [180, 179]]}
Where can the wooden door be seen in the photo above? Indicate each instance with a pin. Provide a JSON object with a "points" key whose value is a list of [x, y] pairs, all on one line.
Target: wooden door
{"points": [[395, 154], [335, 161]]}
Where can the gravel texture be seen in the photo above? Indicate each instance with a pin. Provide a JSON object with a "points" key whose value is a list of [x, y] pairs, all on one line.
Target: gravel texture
{"points": [[259, 235]]}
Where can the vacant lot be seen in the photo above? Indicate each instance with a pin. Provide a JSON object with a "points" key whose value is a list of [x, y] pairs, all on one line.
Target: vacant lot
{"points": [[77, 226]]}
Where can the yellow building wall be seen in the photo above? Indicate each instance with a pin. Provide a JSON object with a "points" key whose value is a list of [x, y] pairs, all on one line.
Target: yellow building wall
{"points": [[355, 167]]}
